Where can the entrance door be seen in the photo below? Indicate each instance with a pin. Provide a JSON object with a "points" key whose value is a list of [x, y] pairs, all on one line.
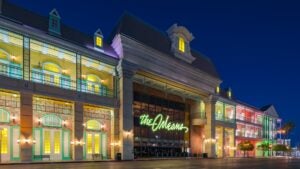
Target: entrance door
{"points": [[9, 147], [52, 143], [93, 142]]}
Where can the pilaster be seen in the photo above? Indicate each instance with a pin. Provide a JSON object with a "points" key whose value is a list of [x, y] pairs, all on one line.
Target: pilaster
{"points": [[26, 126], [78, 131], [126, 73], [210, 131]]}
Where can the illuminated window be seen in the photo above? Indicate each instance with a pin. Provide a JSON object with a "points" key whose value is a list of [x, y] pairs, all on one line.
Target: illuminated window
{"points": [[47, 142], [99, 42], [4, 116], [89, 144], [218, 89], [56, 142], [97, 143], [4, 141], [181, 45], [219, 111], [93, 125]]}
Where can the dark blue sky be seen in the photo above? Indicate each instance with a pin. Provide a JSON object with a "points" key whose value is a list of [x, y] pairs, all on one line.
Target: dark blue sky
{"points": [[255, 45]]}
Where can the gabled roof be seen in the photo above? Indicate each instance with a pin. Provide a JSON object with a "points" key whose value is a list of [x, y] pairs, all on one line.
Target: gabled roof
{"points": [[270, 110], [25, 17], [144, 33], [266, 107]]}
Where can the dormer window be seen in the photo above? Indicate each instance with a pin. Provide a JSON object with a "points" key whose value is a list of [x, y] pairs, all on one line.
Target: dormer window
{"points": [[54, 22], [98, 39], [180, 42], [181, 45]]}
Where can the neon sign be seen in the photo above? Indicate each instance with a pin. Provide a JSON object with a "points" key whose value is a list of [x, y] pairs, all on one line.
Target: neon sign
{"points": [[161, 123]]}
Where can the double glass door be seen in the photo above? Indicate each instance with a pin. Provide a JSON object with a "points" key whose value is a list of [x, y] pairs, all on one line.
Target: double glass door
{"points": [[96, 147]]}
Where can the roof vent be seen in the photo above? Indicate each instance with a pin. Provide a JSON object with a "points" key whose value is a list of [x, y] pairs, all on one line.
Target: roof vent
{"points": [[54, 22]]}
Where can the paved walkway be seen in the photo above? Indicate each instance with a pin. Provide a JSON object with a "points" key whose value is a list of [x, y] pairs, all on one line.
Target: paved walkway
{"points": [[282, 163]]}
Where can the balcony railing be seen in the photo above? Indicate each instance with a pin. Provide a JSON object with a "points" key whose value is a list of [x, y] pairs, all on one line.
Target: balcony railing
{"points": [[221, 117], [66, 83], [52, 80], [11, 70]]}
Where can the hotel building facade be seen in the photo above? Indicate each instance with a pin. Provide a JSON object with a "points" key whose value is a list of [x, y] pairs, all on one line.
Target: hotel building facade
{"points": [[66, 95]]}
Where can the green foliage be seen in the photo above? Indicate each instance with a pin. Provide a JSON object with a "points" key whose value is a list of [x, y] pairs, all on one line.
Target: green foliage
{"points": [[280, 147], [288, 127], [245, 146]]}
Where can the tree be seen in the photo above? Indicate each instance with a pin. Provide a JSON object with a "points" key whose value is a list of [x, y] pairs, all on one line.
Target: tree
{"points": [[264, 146], [245, 146], [280, 148], [287, 128]]}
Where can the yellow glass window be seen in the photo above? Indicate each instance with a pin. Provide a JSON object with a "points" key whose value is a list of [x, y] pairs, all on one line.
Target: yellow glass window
{"points": [[4, 141], [56, 80], [96, 88], [93, 125], [90, 87], [181, 45], [89, 144], [47, 142], [98, 41], [97, 143], [56, 142]]}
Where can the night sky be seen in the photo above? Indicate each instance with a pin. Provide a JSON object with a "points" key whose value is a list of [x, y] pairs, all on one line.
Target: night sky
{"points": [[255, 45]]}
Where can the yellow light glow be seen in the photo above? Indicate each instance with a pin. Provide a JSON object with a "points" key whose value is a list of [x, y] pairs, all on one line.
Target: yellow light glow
{"points": [[89, 144], [97, 143], [56, 142], [218, 89], [4, 141], [99, 41], [181, 45], [47, 142]]}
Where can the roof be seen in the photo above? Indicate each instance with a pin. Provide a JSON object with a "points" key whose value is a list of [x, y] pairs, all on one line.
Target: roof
{"points": [[266, 107], [28, 18], [142, 32]]}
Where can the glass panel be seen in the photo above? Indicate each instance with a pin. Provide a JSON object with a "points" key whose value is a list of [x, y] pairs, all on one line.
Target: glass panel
{"points": [[89, 144], [219, 111], [97, 143], [4, 141], [93, 125], [4, 116], [47, 142], [229, 113], [56, 142]]}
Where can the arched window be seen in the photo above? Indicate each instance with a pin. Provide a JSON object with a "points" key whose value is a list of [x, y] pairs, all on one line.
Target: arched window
{"points": [[51, 120], [4, 116], [93, 125]]}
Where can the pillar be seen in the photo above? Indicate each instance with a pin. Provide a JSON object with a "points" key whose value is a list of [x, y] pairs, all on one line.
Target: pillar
{"points": [[196, 130], [26, 125], [126, 113], [210, 132], [78, 131]]}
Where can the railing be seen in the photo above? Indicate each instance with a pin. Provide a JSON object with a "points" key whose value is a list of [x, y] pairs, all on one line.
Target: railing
{"points": [[221, 117], [52, 80], [11, 70], [249, 120], [67, 83]]}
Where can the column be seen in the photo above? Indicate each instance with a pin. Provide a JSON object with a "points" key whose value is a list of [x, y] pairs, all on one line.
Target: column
{"points": [[78, 131], [210, 146], [126, 114], [196, 128], [26, 126]]}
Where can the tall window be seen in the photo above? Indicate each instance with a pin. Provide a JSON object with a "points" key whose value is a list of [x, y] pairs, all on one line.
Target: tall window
{"points": [[47, 142], [4, 141], [181, 44], [57, 142], [89, 144]]}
